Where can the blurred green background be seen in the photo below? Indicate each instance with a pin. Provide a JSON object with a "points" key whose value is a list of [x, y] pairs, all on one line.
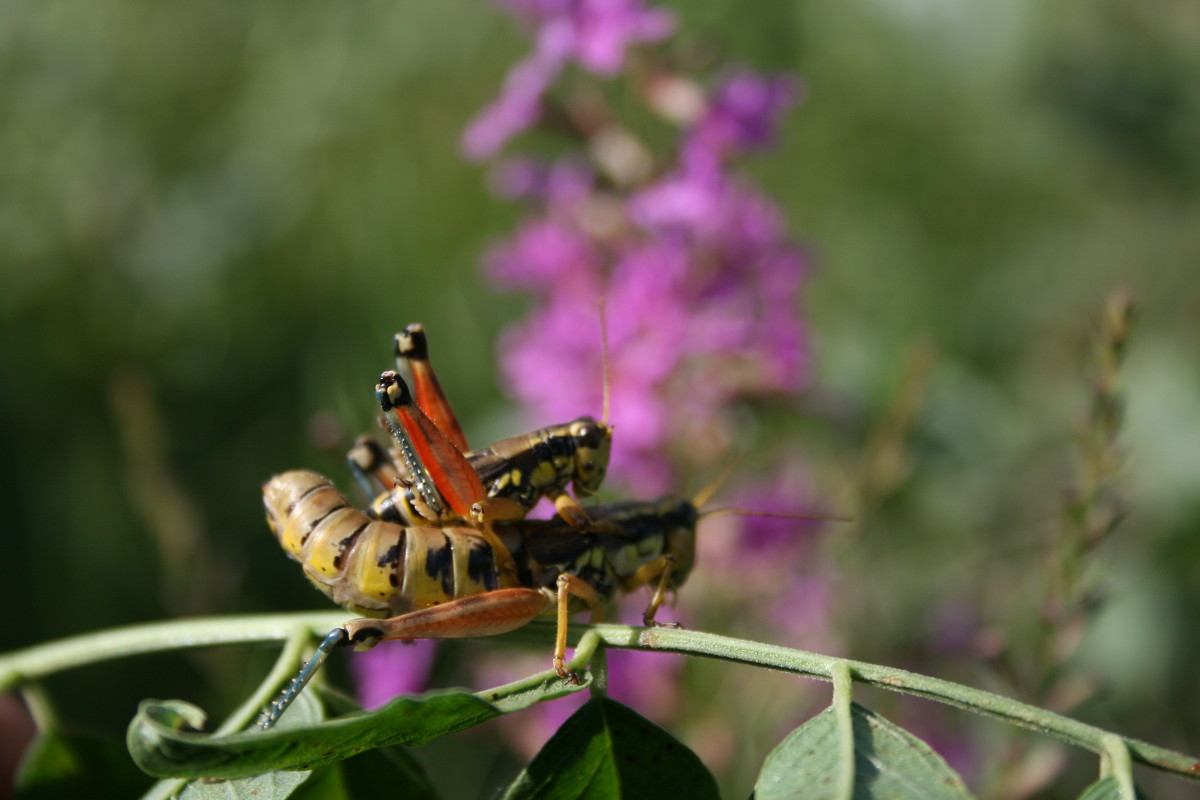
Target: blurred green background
{"points": [[213, 216]]}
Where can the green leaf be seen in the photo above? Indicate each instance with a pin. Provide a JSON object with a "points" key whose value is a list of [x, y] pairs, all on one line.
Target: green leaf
{"points": [[606, 750], [164, 742], [1108, 789], [268, 786], [393, 767], [889, 762], [57, 765]]}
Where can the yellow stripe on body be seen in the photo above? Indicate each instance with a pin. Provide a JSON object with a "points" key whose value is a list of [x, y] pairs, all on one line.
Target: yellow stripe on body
{"points": [[326, 544], [306, 512], [368, 584]]}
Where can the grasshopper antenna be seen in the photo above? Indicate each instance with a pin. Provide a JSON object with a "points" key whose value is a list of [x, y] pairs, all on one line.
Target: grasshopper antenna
{"points": [[706, 494], [604, 359], [746, 512]]}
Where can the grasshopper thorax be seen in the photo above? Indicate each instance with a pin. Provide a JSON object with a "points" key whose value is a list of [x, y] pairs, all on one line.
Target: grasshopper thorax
{"points": [[680, 518]]}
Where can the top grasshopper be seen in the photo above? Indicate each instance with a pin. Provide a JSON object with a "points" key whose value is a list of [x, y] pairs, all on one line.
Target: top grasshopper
{"points": [[432, 475]]}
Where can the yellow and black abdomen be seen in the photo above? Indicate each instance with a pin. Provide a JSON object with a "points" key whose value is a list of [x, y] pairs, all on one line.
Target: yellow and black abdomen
{"points": [[372, 567]]}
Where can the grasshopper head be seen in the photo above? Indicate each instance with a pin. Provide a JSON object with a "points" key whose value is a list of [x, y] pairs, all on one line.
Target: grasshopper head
{"points": [[593, 444]]}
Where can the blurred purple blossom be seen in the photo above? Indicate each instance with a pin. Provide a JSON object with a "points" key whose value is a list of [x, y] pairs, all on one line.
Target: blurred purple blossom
{"points": [[391, 669], [592, 33], [701, 283], [516, 109], [643, 680], [740, 116]]}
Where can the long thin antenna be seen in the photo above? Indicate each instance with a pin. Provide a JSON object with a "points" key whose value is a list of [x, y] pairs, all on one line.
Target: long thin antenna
{"points": [[705, 494], [604, 355], [745, 512]]}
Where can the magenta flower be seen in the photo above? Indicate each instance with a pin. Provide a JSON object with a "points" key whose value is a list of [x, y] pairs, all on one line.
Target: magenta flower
{"points": [[701, 283], [391, 669], [594, 34], [516, 109], [741, 116], [702, 287]]}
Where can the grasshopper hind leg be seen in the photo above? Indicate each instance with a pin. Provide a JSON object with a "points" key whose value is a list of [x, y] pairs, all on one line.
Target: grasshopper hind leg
{"points": [[271, 715]]}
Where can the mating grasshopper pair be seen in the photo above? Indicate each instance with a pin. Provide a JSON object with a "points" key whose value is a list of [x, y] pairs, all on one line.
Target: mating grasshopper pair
{"points": [[445, 551]]}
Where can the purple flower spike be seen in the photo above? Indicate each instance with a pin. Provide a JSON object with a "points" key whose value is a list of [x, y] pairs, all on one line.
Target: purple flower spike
{"points": [[517, 108], [596, 33], [741, 116], [592, 33], [605, 28], [543, 254]]}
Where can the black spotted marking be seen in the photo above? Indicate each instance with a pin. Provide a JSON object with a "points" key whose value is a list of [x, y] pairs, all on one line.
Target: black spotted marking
{"points": [[396, 561], [439, 564], [313, 525], [481, 566], [388, 510], [392, 556], [346, 544]]}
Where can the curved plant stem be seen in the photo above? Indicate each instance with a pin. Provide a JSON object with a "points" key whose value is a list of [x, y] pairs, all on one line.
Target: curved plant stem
{"points": [[843, 694], [38, 661], [1116, 762], [822, 667], [30, 664]]}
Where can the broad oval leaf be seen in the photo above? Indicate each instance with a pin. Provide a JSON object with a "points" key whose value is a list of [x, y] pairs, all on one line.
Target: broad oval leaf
{"points": [[889, 762], [607, 750]]}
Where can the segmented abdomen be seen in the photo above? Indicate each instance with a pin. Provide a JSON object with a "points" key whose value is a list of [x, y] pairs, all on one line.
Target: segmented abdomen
{"points": [[371, 567]]}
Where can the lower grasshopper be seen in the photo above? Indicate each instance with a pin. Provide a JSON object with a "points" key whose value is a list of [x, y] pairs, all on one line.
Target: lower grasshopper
{"points": [[414, 582]]}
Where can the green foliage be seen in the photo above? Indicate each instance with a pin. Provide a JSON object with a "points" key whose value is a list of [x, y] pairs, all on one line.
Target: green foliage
{"points": [[61, 765], [605, 750], [164, 737], [215, 214], [609, 750], [889, 762]]}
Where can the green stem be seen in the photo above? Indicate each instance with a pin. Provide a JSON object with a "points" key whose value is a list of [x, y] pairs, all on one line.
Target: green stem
{"points": [[1116, 762], [24, 666], [843, 693], [35, 662], [822, 667]]}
